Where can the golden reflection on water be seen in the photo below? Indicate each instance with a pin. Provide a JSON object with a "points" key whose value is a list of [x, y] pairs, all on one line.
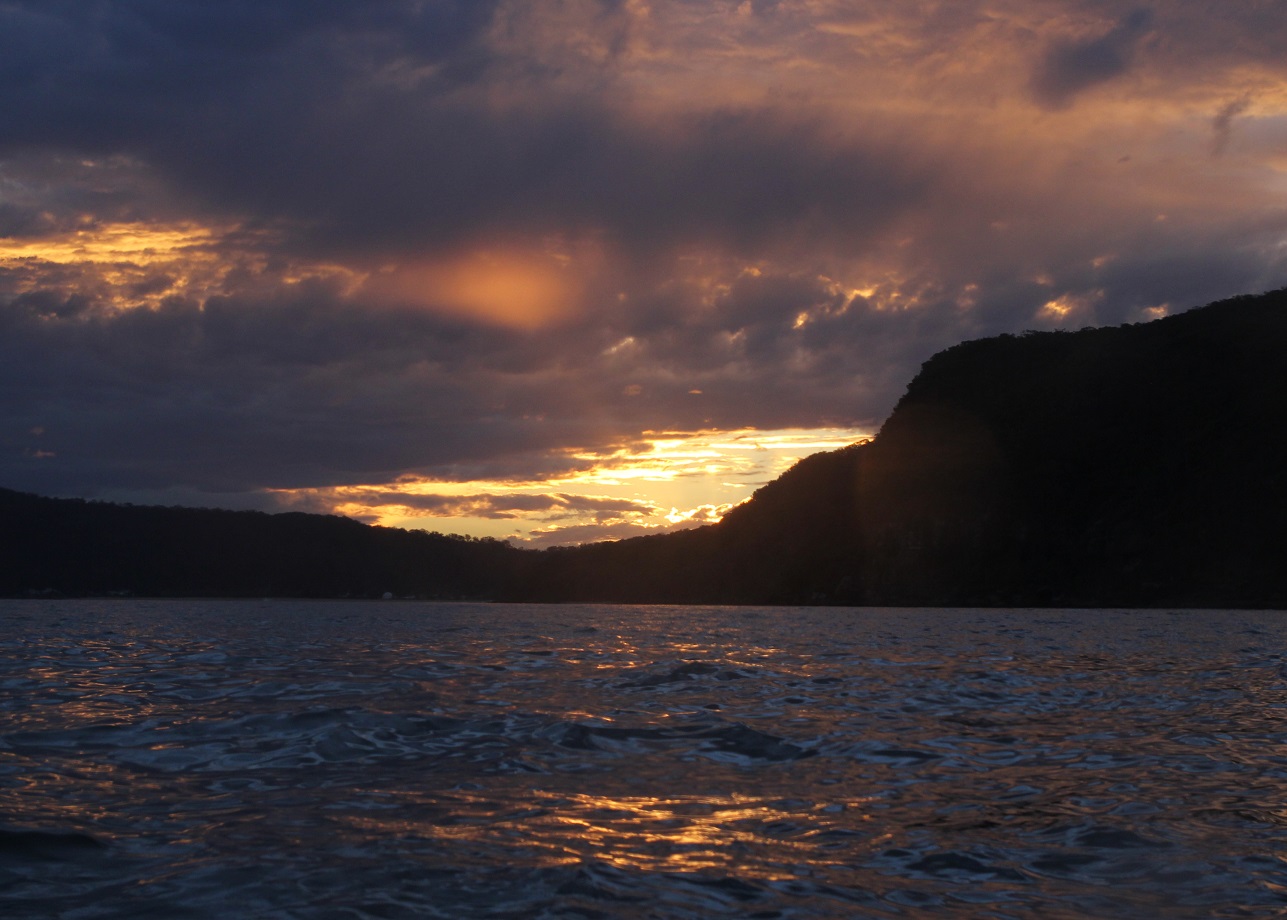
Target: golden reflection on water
{"points": [[682, 833], [527, 761], [100, 697]]}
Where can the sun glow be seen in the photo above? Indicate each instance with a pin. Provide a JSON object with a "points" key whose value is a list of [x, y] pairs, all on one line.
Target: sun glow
{"points": [[663, 481], [503, 285]]}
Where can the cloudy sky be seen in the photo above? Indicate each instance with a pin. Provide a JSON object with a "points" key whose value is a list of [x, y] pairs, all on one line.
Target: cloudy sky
{"points": [[574, 269]]}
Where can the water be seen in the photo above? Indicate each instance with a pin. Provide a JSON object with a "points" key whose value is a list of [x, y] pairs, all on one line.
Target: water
{"points": [[362, 760]]}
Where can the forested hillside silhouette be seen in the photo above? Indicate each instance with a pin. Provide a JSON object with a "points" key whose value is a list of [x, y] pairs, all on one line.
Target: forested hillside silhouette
{"points": [[1137, 465], [1141, 465], [72, 547]]}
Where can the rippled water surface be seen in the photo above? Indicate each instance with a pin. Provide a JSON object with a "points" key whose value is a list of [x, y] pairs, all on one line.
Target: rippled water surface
{"points": [[352, 760]]}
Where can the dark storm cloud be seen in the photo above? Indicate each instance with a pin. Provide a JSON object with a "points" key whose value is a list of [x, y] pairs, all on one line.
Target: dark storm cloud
{"points": [[304, 390], [804, 348], [1070, 66], [1222, 124], [396, 175], [110, 73], [16, 220], [358, 119]]}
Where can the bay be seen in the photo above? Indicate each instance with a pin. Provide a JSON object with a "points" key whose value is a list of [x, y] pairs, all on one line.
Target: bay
{"points": [[402, 759]]}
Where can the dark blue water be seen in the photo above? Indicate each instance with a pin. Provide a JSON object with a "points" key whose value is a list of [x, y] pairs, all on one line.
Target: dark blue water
{"points": [[354, 760]]}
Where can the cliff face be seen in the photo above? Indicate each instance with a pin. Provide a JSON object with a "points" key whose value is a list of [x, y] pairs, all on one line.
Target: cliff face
{"points": [[1139, 465]]}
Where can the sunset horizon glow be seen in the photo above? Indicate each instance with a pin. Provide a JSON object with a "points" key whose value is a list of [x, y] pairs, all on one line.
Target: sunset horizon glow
{"points": [[668, 481]]}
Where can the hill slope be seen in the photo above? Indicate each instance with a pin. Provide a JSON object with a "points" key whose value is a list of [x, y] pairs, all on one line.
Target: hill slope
{"points": [[73, 547], [1138, 465]]}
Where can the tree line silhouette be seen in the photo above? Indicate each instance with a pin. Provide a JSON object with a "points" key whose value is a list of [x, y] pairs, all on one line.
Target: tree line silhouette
{"points": [[74, 547]]}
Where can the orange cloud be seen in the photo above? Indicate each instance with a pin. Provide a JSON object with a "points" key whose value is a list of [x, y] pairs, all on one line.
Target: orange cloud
{"points": [[129, 265], [136, 243]]}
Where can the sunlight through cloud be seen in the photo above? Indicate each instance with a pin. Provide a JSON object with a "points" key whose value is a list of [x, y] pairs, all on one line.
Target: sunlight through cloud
{"points": [[667, 481]]}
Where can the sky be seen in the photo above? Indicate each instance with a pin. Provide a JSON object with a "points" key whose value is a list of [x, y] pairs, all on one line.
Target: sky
{"points": [[566, 270]]}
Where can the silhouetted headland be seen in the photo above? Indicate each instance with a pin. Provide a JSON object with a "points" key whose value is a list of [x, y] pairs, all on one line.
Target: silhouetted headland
{"points": [[1140, 465], [72, 547]]}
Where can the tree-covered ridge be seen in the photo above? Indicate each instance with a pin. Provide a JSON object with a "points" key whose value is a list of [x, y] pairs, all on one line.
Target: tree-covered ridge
{"points": [[1138, 465], [76, 547]]}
